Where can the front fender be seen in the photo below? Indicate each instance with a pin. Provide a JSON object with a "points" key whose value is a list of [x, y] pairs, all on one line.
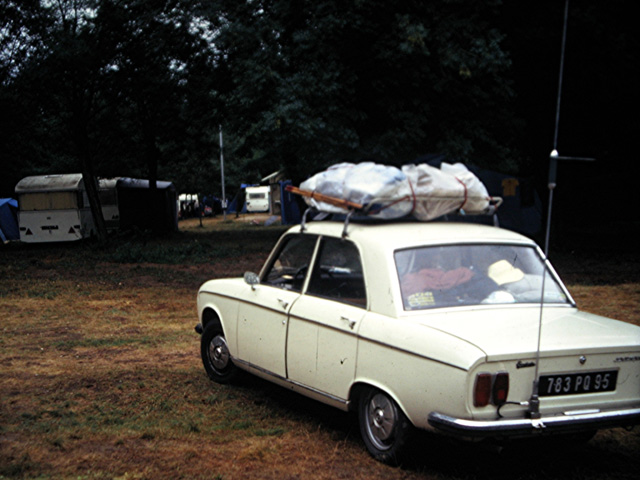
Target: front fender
{"points": [[220, 297]]}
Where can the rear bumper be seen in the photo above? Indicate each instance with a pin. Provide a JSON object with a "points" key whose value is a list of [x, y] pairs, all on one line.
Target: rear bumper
{"points": [[558, 424]]}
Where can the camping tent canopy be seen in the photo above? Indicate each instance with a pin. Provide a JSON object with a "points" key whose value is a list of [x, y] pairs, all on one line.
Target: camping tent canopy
{"points": [[8, 220], [147, 208]]}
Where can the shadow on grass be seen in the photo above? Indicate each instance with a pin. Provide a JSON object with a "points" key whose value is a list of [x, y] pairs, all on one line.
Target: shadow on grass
{"points": [[437, 456]]}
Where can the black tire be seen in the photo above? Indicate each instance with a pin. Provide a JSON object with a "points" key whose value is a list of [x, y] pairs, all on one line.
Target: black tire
{"points": [[384, 427], [215, 355]]}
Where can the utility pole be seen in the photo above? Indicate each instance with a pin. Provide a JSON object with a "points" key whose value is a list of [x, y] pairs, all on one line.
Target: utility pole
{"points": [[224, 197]]}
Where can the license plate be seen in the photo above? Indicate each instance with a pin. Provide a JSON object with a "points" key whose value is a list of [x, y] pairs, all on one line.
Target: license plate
{"points": [[577, 383]]}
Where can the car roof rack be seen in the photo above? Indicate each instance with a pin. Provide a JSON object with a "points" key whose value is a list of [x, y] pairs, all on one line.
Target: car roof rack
{"points": [[353, 216]]}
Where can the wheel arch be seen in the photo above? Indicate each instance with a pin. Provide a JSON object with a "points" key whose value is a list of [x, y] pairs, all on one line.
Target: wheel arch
{"points": [[360, 387], [214, 350], [209, 314]]}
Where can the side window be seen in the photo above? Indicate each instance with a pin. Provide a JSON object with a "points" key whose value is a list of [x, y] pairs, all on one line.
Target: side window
{"points": [[292, 262], [337, 274]]}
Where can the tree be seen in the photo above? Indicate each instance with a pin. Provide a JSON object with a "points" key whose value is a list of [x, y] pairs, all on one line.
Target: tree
{"points": [[141, 86], [149, 74], [598, 104], [71, 68], [108, 86], [306, 84], [22, 28]]}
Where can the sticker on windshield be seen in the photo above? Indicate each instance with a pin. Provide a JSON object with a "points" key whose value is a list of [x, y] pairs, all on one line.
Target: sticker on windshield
{"points": [[421, 299]]}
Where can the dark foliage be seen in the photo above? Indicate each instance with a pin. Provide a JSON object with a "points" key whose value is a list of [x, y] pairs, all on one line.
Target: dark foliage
{"points": [[141, 88]]}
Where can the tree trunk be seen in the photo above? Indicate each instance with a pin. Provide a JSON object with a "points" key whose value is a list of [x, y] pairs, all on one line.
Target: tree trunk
{"points": [[90, 182]]}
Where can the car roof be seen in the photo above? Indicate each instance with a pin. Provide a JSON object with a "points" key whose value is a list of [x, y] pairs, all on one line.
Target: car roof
{"points": [[397, 235]]}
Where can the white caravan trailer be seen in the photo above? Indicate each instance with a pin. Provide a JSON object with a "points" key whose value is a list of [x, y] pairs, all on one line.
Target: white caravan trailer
{"points": [[257, 199], [53, 208]]}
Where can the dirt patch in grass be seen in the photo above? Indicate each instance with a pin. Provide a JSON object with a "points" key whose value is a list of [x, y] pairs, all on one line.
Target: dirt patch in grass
{"points": [[100, 375]]}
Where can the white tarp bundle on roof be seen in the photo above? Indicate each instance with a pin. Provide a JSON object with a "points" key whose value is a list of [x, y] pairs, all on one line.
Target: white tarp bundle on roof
{"points": [[386, 192]]}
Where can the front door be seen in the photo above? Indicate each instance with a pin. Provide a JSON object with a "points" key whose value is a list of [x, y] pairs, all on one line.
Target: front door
{"points": [[263, 313]]}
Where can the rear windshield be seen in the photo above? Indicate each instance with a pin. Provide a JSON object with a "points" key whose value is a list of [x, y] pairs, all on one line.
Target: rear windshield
{"points": [[452, 275]]}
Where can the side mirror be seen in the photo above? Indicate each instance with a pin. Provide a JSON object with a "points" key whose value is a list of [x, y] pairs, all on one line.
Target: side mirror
{"points": [[251, 279]]}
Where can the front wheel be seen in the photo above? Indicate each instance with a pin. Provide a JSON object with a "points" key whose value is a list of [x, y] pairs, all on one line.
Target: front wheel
{"points": [[215, 355], [384, 427]]}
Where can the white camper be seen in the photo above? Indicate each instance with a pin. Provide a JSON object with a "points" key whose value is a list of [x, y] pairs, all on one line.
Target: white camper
{"points": [[53, 208], [257, 199]]}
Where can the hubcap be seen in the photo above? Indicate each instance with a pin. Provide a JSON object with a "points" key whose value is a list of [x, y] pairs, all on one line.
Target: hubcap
{"points": [[381, 419], [219, 353]]}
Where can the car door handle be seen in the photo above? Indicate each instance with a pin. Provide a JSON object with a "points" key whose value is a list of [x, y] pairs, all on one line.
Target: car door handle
{"points": [[283, 303], [351, 323]]}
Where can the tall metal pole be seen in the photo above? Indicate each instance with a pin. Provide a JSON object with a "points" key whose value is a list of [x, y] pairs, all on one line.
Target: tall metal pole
{"points": [[553, 158], [534, 401], [224, 197]]}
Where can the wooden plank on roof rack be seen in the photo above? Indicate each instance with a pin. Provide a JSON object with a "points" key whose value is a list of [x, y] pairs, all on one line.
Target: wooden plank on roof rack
{"points": [[337, 202]]}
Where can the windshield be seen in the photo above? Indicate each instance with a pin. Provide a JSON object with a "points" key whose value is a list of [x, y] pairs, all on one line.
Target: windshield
{"points": [[453, 275]]}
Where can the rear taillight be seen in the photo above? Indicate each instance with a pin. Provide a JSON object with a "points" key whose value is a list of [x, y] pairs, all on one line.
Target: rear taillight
{"points": [[500, 388], [491, 388], [482, 390]]}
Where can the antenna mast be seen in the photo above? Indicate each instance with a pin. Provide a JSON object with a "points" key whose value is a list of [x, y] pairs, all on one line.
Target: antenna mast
{"points": [[534, 401], [553, 158]]}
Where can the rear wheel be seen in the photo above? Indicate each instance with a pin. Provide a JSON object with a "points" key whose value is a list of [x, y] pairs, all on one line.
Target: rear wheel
{"points": [[384, 427], [215, 354]]}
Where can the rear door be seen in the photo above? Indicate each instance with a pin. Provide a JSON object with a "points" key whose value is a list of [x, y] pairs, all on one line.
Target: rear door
{"points": [[323, 324]]}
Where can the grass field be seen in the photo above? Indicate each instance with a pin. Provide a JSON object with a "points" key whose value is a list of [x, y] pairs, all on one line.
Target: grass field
{"points": [[101, 378]]}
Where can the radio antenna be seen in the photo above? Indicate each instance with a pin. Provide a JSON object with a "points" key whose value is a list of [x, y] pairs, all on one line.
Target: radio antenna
{"points": [[534, 401], [554, 156]]}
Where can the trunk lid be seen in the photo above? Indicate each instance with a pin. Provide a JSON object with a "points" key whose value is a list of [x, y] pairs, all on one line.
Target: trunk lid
{"points": [[512, 332], [587, 362]]}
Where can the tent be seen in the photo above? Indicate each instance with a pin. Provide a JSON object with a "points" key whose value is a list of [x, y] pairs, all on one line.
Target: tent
{"points": [[291, 205], [239, 202], [147, 208], [9, 220]]}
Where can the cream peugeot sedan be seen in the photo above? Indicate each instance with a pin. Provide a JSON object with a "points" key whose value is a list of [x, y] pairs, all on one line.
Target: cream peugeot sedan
{"points": [[456, 328]]}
